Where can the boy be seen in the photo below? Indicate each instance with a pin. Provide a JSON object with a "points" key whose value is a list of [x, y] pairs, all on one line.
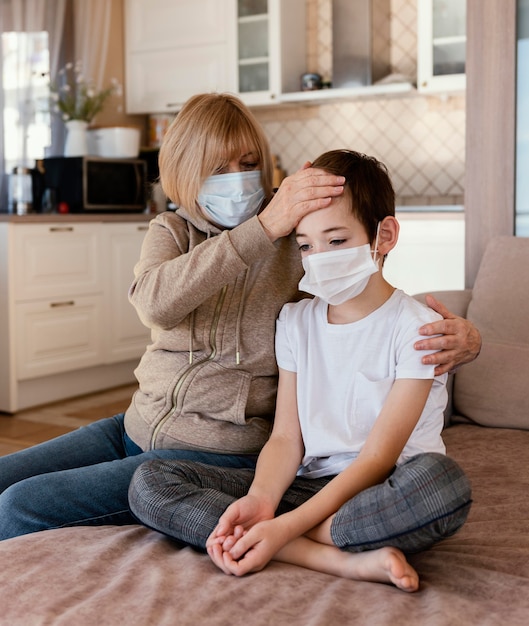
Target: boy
{"points": [[354, 473]]}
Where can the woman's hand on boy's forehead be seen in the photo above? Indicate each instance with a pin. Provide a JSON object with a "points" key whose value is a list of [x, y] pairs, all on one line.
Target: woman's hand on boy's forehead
{"points": [[307, 190]]}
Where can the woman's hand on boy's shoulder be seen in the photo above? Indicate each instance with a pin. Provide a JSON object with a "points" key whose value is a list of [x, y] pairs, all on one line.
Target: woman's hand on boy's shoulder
{"points": [[457, 340]]}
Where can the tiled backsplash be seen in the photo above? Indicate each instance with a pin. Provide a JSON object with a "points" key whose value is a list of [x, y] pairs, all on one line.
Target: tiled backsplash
{"points": [[420, 138]]}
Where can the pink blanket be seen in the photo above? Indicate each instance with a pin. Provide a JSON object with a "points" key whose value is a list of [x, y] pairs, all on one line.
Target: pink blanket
{"points": [[131, 575]]}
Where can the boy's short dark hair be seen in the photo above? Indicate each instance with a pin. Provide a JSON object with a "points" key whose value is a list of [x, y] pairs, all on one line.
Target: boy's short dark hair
{"points": [[368, 182]]}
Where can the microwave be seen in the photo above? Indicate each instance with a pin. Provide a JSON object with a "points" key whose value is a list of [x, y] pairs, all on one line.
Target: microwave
{"points": [[94, 184]]}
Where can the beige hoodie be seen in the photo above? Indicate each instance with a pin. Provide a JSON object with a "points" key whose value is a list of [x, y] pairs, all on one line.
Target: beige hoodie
{"points": [[208, 380]]}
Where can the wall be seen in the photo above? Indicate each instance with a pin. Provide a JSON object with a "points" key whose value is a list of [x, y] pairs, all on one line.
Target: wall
{"points": [[420, 138]]}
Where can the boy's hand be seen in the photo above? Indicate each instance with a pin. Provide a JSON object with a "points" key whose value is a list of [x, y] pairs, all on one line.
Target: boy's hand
{"points": [[254, 549], [459, 341], [238, 518]]}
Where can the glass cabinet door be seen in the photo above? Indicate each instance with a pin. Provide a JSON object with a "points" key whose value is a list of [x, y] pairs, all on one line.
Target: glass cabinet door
{"points": [[449, 37], [442, 45], [522, 120], [253, 54]]}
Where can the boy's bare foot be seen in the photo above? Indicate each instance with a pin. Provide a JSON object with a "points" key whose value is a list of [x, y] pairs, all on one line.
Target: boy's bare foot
{"points": [[386, 565]]}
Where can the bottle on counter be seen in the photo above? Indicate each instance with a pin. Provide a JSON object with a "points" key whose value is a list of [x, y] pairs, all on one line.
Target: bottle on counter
{"points": [[20, 191]]}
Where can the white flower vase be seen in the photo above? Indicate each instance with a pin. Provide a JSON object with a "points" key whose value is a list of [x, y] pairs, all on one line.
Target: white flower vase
{"points": [[76, 140]]}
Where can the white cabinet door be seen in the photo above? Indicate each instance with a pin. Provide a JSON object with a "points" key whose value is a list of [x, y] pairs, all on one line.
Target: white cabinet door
{"points": [[67, 327], [441, 39], [54, 260], [271, 50], [162, 80], [159, 24], [125, 336], [57, 336], [175, 49]]}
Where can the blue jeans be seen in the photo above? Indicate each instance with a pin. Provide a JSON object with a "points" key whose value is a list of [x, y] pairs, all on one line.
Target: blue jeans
{"points": [[81, 478]]}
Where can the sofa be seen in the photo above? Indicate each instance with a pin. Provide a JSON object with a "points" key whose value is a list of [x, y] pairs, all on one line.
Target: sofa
{"points": [[480, 576]]}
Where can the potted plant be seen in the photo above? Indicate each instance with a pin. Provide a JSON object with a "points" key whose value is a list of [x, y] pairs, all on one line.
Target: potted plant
{"points": [[77, 101]]}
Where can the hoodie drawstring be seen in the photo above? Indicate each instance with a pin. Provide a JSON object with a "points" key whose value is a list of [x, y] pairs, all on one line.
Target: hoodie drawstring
{"points": [[237, 326], [191, 330], [239, 319]]}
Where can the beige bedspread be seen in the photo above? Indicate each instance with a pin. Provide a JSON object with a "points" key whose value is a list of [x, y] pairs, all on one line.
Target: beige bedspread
{"points": [[133, 576]]}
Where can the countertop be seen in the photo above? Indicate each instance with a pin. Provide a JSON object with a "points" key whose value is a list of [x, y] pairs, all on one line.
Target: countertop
{"points": [[402, 213], [42, 218]]}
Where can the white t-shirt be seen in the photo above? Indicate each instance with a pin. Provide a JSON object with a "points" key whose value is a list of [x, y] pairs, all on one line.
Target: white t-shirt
{"points": [[345, 372]]}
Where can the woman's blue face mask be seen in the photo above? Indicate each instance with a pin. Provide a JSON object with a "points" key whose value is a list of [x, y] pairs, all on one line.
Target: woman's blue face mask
{"points": [[230, 199]]}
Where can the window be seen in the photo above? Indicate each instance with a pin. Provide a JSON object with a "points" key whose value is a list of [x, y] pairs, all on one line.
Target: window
{"points": [[25, 80], [35, 36]]}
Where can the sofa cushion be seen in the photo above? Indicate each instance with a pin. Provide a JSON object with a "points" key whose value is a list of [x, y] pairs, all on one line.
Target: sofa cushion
{"points": [[493, 390]]}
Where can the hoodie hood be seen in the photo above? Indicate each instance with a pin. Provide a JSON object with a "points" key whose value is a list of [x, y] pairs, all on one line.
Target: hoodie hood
{"points": [[199, 222]]}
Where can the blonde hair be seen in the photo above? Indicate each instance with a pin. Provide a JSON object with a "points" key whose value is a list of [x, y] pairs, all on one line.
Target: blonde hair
{"points": [[208, 132]]}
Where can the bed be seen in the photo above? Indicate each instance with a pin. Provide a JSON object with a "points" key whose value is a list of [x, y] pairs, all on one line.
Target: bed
{"points": [[135, 576]]}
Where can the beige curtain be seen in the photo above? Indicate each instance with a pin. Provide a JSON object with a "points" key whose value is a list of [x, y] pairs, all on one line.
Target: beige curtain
{"points": [[91, 34], [34, 16]]}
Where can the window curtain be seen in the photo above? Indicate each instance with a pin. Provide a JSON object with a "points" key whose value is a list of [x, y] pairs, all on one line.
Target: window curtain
{"points": [[78, 30], [25, 16], [91, 36]]}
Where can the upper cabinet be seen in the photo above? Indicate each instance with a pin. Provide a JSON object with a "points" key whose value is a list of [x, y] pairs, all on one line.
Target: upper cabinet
{"points": [[441, 34], [255, 48], [177, 49], [271, 54]]}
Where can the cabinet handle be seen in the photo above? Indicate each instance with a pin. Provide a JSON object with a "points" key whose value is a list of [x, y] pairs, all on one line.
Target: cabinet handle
{"points": [[58, 304], [61, 229], [140, 228]]}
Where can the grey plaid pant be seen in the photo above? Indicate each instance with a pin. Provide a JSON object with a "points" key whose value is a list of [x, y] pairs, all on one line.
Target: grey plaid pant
{"points": [[423, 501]]}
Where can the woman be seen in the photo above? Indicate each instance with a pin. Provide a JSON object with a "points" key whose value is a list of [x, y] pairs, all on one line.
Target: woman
{"points": [[210, 283]]}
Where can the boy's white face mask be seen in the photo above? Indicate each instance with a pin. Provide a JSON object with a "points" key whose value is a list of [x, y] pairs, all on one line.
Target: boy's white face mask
{"points": [[339, 275], [231, 199]]}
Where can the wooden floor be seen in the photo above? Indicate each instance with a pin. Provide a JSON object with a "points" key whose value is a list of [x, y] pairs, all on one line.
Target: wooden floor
{"points": [[32, 426]]}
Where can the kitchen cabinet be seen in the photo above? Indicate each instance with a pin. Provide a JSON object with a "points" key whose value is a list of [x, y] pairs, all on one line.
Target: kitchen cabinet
{"points": [[67, 327], [441, 54], [271, 49], [176, 49], [57, 298], [125, 335], [255, 48], [436, 236], [57, 336]]}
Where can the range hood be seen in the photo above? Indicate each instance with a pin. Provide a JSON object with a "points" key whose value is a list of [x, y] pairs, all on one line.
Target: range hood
{"points": [[360, 42]]}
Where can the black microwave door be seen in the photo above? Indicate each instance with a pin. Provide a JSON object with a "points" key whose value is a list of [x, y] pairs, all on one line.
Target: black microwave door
{"points": [[115, 185], [65, 176]]}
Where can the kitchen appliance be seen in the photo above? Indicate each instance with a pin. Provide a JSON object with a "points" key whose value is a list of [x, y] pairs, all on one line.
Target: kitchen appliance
{"points": [[311, 82], [95, 184], [114, 142], [360, 42], [20, 191]]}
